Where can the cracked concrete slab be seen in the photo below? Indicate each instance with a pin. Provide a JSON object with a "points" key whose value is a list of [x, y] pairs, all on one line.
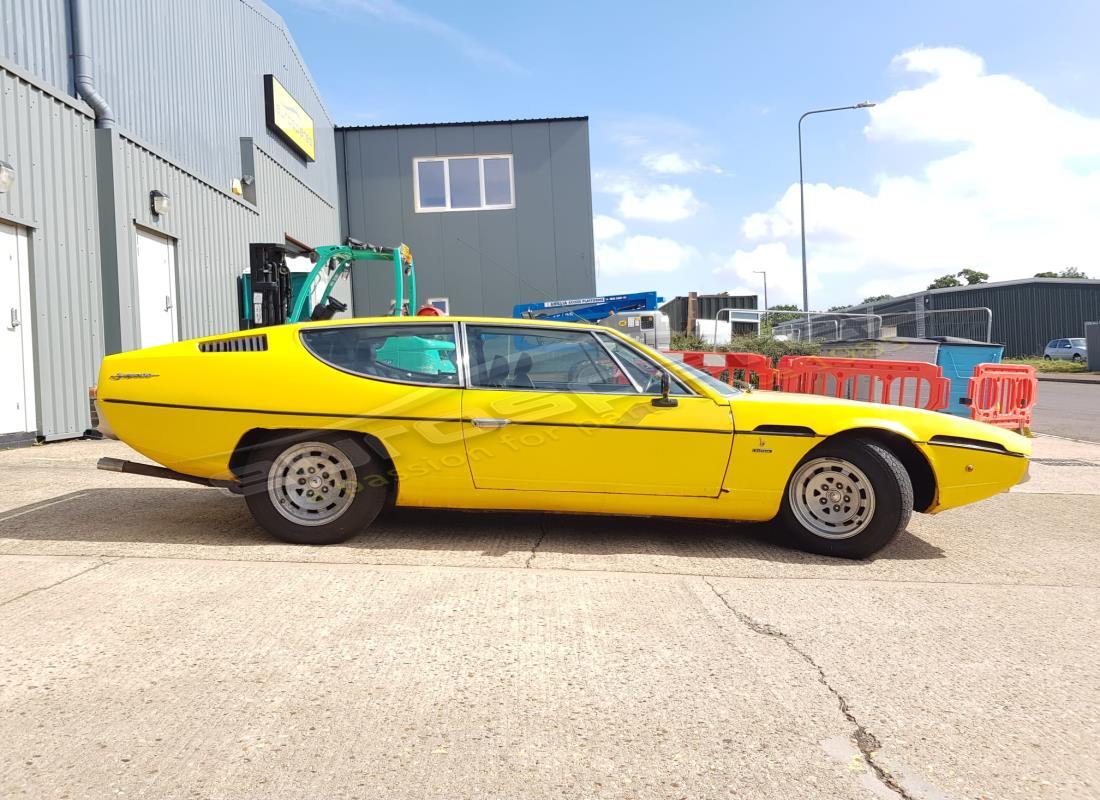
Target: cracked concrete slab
{"points": [[20, 576], [982, 691], [202, 678], [477, 655]]}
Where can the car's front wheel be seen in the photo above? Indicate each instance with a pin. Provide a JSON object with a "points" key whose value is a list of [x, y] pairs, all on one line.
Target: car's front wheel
{"points": [[318, 488], [848, 498]]}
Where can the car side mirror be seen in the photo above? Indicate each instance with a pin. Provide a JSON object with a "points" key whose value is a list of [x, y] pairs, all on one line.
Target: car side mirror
{"points": [[664, 401]]}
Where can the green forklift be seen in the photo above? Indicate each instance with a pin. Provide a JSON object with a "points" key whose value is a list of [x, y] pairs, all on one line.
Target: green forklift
{"points": [[270, 293]]}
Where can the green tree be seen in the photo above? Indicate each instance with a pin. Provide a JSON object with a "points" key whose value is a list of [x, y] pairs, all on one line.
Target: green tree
{"points": [[1068, 272], [777, 319], [972, 276], [944, 282], [876, 298]]}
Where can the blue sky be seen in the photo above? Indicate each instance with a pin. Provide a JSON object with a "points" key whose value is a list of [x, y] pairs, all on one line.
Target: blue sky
{"points": [[984, 151]]}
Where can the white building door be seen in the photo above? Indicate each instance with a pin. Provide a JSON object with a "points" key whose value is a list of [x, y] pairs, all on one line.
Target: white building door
{"points": [[156, 273], [16, 348]]}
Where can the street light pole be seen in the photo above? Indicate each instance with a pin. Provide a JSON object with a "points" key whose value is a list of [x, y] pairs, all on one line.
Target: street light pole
{"points": [[802, 191]]}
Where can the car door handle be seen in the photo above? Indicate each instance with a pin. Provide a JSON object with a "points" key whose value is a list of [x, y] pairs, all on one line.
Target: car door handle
{"points": [[15, 321], [167, 302], [489, 422]]}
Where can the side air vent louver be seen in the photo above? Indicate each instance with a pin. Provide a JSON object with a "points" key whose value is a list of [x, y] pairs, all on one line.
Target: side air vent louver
{"points": [[241, 344]]}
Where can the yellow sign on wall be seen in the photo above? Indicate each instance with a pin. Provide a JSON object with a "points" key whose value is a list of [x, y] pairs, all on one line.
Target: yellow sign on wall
{"points": [[287, 119]]}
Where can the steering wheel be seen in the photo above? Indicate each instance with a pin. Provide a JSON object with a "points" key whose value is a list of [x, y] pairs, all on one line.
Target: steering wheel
{"points": [[594, 376]]}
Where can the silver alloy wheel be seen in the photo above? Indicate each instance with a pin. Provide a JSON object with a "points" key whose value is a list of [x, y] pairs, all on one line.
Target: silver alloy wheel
{"points": [[312, 483], [832, 498]]}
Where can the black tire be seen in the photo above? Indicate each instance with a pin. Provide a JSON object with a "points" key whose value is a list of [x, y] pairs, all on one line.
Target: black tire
{"points": [[1076, 358], [1047, 358], [892, 496], [355, 470]]}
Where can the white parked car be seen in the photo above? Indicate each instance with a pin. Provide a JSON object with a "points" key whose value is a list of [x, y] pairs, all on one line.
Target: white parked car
{"points": [[1066, 350]]}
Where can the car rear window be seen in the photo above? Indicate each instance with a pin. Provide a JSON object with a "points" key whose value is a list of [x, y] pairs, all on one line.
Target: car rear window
{"points": [[404, 353]]}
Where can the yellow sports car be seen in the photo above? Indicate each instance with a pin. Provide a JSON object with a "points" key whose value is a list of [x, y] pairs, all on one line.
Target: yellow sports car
{"points": [[321, 425]]}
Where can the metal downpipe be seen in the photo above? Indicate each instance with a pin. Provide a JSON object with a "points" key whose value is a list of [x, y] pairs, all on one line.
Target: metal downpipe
{"points": [[83, 68]]}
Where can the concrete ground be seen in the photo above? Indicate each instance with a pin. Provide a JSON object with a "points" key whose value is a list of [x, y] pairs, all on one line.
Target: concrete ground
{"points": [[1068, 409], [154, 643]]}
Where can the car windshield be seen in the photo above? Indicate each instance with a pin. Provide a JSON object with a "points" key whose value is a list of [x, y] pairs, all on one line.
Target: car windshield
{"points": [[722, 388], [1077, 342]]}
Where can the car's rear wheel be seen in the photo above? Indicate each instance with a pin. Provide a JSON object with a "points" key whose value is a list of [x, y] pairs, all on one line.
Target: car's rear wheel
{"points": [[1047, 358], [1077, 357], [315, 489], [848, 498]]}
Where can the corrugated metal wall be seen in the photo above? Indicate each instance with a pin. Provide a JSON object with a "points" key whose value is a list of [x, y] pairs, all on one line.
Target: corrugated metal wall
{"points": [[34, 36], [1028, 315], [212, 229], [48, 139], [707, 307], [187, 80], [484, 261]]}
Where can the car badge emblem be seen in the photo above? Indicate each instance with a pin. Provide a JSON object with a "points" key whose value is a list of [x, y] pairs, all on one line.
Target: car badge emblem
{"points": [[124, 376]]}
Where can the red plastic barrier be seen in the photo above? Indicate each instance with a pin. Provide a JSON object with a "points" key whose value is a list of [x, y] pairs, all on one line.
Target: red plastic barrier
{"points": [[752, 364], [899, 383], [753, 367], [1003, 395]]}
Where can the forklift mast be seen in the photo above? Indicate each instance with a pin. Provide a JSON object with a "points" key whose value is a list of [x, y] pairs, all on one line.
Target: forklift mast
{"points": [[270, 294], [270, 285]]}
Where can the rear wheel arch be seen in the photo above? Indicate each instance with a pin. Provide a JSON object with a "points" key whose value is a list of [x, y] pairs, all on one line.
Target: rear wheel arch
{"points": [[257, 439], [904, 450]]}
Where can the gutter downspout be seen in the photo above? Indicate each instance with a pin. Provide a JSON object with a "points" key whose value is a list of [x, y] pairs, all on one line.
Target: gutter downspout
{"points": [[83, 69]]}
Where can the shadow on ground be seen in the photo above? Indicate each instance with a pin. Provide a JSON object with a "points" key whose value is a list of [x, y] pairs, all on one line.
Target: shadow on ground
{"points": [[215, 518]]}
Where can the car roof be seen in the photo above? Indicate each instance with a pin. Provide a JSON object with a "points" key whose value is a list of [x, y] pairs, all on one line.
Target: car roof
{"points": [[413, 320]]}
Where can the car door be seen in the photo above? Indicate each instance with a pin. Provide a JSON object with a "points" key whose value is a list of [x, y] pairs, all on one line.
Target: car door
{"points": [[551, 409]]}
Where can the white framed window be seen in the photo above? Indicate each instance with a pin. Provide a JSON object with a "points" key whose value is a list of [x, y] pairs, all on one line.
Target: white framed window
{"points": [[463, 183]]}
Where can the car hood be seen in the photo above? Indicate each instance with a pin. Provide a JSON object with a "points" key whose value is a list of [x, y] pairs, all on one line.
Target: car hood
{"points": [[825, 416]]}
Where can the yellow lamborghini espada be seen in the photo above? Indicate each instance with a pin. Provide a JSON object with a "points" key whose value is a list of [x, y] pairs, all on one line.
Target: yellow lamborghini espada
{"points": [[321, 425]]}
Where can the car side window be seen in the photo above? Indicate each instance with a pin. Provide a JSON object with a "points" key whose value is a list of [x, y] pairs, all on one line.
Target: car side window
{"points": [[403, 353], [644, 372], [544, 359]]}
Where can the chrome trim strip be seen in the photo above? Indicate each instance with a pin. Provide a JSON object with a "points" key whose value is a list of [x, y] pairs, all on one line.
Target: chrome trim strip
{"points": [[997, 451], [603, 346], [331, 415], [326, 414]]}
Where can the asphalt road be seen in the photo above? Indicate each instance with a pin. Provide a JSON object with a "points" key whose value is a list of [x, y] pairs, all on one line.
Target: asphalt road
{"points": [[1068, 409], [154, 643]]}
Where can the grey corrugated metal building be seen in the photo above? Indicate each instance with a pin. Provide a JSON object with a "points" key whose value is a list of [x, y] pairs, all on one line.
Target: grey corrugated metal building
{"points": [[183, 108], [1027, 313], [534, 243], [76, 226]]}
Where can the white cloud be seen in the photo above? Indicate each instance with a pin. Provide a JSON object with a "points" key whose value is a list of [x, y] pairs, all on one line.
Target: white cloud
{"points": [[675, 164], [784, 269], [641, 254], [661, 203], [1018, 193], [605, 227]]}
